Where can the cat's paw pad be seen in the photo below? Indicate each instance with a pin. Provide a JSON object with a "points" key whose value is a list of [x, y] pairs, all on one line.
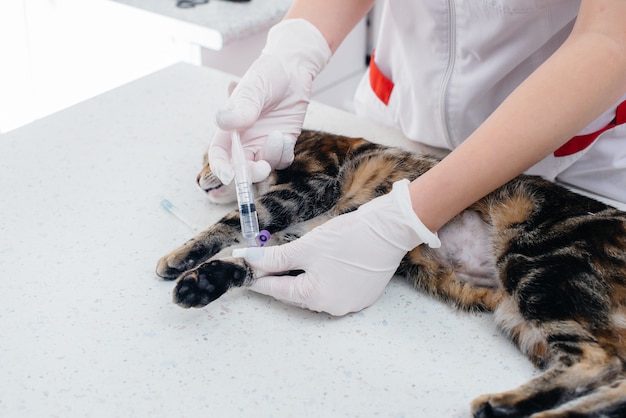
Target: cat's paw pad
{"points": [[199, 287]]}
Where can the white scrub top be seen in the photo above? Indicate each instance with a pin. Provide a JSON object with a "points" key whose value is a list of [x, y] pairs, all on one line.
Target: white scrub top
{"points": [[441, 67]]}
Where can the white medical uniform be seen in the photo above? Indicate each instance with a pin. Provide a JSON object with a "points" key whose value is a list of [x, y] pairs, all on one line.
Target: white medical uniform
{"points": [[441, 67]]}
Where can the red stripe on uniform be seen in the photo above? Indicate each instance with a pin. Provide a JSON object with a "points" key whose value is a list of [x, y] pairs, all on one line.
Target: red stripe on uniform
{"points": [[381, 85], [580, 142]]}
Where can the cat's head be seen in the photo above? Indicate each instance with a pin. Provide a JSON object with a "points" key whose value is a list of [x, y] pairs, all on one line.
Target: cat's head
{"points": [[217, 191], [221, 193]]}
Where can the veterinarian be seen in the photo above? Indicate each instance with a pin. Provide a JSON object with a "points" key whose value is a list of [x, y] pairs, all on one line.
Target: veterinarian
{"points": [[509, 86]]}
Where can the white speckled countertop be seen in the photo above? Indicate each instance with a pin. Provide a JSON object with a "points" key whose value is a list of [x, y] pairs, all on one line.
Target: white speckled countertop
{"points": [[86, 329], [228, 20]]}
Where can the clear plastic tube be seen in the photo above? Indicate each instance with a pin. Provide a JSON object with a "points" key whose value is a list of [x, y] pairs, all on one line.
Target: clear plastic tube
{"points": [[169, 206]]}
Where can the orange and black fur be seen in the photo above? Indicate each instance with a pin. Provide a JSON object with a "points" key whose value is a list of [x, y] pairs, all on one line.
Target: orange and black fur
{"points": [[550, 264]]}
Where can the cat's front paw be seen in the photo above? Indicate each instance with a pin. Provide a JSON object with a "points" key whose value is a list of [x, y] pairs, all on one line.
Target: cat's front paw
{"points": [[494, 406], [181, 260], [201, 286], [170, 270]]}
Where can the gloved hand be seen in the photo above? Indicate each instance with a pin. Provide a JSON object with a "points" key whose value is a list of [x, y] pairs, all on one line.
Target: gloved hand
{"points": [[347, 261], [271, 99]]}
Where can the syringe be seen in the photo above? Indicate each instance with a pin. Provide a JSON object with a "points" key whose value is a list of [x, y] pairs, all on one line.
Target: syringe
{"points": [[245, 194]]}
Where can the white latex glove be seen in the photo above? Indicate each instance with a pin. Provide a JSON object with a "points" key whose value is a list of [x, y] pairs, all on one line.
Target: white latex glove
{"points": [[347, 261], [271, 99]]}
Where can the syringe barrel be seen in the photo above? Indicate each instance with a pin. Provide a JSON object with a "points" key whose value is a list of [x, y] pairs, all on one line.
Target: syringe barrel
{"points": [[245, 194], [247, 211], [249, 221]]}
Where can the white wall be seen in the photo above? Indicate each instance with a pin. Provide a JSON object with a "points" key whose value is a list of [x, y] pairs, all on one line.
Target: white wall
{"points": [[55, 53], [15, 76]]}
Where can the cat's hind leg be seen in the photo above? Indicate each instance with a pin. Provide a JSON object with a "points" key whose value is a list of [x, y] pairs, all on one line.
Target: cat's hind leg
{"points": [[579, 368], [608, 401]]}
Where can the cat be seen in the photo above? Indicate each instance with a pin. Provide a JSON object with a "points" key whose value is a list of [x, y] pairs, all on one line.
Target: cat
{"points": [[550, 264]]}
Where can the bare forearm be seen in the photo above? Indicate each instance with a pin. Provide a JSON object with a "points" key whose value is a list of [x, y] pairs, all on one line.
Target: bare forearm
{"points": [[582, 79], [334, 18]]}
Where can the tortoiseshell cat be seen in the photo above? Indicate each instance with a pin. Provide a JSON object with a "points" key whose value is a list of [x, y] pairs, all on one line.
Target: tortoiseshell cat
{"points": [[549, 263]]}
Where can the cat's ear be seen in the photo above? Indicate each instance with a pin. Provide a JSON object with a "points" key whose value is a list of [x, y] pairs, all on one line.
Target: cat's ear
{"points": [[231, 87]]}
